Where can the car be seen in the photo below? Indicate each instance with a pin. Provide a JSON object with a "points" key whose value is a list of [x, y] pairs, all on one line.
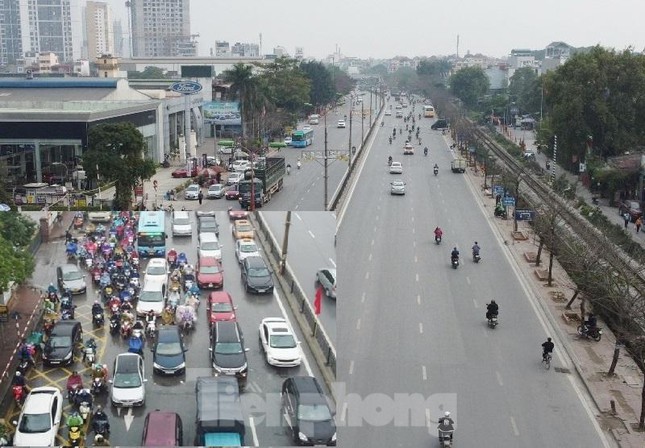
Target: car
{"points": [[306, 411], [220, 307], [388, 113], [100, 216], [399, 114], [207, 224], [162, 428], [228, 353], [59, 347], [40, 418], [279, 343], [209, 273], [241, 166], [243, 229], [396, 168], [157, 272], [246, 247], [404, 105], [326, 278], [152, 297], [169, 353], [306, 128], [256, 276], [234, 177], [287, 141], [440, 124], [232, 193], [408, 149], [398, 107], [128, 383], [180, 173], [192, 192], [181, 224], [341, 124], [209, 246], [215, 191], [237, 214], [397, 187], [632, 207], [71, 277]]}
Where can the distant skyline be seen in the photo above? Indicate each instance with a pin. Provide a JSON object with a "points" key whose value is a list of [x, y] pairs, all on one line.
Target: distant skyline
{"points": [[381, 30]]}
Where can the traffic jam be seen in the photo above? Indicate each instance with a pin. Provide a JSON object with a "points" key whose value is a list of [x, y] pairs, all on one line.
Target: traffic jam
{"points": [[141, 333]]}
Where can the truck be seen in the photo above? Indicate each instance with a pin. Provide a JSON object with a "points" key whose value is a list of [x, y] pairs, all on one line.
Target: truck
{"points": [[268, 177], [458, 165], [220, 420]]}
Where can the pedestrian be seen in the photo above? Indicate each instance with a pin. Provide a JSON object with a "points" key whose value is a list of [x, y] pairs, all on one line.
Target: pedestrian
{"points": [[626, 218], [639, 223], [200, 197]]}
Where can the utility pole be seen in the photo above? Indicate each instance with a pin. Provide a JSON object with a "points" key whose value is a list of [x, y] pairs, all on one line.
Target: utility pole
{"points": [[349, 146], [371, 107], [362, 124], [325, 177], [285, 243]]}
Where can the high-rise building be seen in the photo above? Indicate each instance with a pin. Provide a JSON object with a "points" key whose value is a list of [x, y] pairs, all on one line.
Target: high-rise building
{"points": [[11, 49], [160, 28], [222, 49], [300, 53], [120, 42], [99, 29], [245, 50]]}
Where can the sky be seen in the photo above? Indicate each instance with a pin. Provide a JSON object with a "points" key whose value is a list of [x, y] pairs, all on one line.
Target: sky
{"points": [[383, 29]]}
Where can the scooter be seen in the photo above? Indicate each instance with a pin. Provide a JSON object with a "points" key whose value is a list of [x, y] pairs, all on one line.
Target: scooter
{"points": [[455, 263], [436, 171], [19, 394], [98, 386], [98, 320], [590, 333], [85, 408], [476, 257], [74, 437], [101, 423], [445, 438], [115, 324], [492, 321], [89, 354], [437, 239], [151, 328]]}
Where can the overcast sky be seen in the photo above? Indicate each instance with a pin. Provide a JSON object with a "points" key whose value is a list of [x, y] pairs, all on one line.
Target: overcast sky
{"points": [[385, 28]]}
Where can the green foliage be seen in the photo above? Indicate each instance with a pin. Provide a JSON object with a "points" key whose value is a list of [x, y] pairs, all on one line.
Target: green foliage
{"points": [[17, 228], [526, 90], [148, 73], [343, 83], [322, 85], [245, 85], [16, 263], [119, 152], [285, 85], [469, 85]]}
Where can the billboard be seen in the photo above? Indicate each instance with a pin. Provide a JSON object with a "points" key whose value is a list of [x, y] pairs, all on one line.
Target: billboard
{"points": [[222, 112]]}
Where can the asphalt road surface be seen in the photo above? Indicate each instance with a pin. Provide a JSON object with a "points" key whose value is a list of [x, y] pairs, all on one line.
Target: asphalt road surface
{"points": [[311, 247], [417, 326]]}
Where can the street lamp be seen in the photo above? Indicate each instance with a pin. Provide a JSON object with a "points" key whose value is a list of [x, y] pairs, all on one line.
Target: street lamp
{"points": [[98, 182]]}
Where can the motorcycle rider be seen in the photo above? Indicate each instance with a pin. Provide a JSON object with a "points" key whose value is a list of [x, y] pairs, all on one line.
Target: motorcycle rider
{"points": [[288, 168], [438, 233], [446, 424], [91, 343], [436, 167], [454, 255], [100, 417], [492, 310], [389, 160], [425, 151], [590, 324], [20, 380], [476, 249], [547, 348], [390, 140], [25, 352], [96, 308], [172, 255], [74, 419], [74, 383]]}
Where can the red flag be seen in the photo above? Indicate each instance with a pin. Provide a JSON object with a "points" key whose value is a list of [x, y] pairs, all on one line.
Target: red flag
{"points": [[318, 301]]}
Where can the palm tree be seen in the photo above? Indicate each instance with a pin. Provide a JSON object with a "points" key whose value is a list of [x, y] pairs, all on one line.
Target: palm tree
{"points": [[244, 84]]}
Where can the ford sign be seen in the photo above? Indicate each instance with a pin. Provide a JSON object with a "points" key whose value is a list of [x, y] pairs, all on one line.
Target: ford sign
{"points": [[186, 87]]}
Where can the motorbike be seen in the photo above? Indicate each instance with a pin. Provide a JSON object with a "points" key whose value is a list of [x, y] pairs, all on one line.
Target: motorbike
{"points": [[73, 390], [126, 329], [98, 319], [445, 438], [85, 408], [137, 329], [78, 221], [96, 275], [436, 171], [455, 262], [98, 386], [75, 438], [594, 333], [101, 423], [500, 211], [173, 298], [89, 353], [437, 239], [136, 346], [425, 152], [115, 324], [476, 257], [19, 394], [492, 321], [389, 161], [151, 327], [67, 313]]}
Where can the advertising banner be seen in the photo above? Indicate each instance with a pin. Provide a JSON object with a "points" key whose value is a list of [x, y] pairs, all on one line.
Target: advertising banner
{"points": [[222, 112]]}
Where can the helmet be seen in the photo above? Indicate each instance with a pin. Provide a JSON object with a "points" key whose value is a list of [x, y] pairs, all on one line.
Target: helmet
{"points": [[447, 414], [51, 284], [173, 250], [492, 301], [96, 302], [454, 248], [75, 372], [18, 373], [99, 408], [548, 339], [105, 366], [476, 242]]}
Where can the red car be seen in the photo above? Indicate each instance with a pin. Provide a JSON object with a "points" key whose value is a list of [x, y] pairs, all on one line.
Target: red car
{"points": [[220, 307], [232, 193], [180, 172], [234, 215], [210, 273]]}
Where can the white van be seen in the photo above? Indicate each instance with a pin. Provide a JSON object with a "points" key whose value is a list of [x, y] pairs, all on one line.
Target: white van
{"points": [[151, 298], [209, 246], [181, 224], [314, 119]]}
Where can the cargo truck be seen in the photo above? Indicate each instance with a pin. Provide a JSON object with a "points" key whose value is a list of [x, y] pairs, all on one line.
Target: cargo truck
{"points": [[458, 165], [269, 177], [220, 421]]}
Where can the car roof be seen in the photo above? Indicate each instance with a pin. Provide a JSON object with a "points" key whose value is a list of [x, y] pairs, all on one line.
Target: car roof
{"points": [[246, 241], [65, 327], [69, 268], [277, 323], [40, 398], [242, 222], [168, 332], [207, 236], [157, 262], [208, 261], [255, 261], [127, 362], [226, 329], [309, 390], [220, 296]]}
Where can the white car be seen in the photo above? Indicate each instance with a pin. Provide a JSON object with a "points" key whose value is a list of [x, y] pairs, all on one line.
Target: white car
{"points": [[234, 177], [306, 128], [100, 216], [40, 418], [246, 247], [192, 192], [209, 246], [341, 124], [388, 113], [279, 343], [157, 272], [408, 149], [397, 187], [181, 224], [128, 383], [215, 191], [241, 165], [151, 298], [287, 141], [396, 168]]}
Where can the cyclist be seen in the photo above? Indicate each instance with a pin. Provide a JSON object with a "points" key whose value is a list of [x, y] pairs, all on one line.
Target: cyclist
{"points": [[547, 348]]}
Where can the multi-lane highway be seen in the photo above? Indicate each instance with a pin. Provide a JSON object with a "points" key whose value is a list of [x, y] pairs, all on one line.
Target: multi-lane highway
{"points": [[261, 397], [416, 326], [310, 247]]}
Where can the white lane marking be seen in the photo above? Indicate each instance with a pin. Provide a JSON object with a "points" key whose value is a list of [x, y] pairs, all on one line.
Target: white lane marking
{"points": [[343, 412], [367, 275], [424, 373], [475, 303], [418, 299], [375, 229], [376, 218], [417, 277], [358, 325], [468, 280], [332, 262], [351, 367], [414, 244], [311, 233], [284, 314], [416, 260], [515, 430], [499, 378], [412, 229], [412, 218], [298, 216], [363, 298], [429, 421], [421, 327], [370, 257], [372, 243], [253, 432]]}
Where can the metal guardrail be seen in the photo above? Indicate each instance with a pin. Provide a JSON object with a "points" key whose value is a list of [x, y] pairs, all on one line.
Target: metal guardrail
{"points": [[299, 303]]}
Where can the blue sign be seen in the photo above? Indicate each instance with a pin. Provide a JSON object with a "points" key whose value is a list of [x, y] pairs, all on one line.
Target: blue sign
{"points": [[498, 190], [508, 201], [523, 214], [186, 87]]}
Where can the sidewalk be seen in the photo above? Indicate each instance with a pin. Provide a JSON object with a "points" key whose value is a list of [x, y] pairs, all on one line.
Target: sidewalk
{"points": [[590, 360]]}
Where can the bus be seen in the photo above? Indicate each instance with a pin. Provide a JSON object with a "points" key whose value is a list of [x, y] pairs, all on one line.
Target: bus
{"points": [[301, 138], [428, 111], [151, 234]]}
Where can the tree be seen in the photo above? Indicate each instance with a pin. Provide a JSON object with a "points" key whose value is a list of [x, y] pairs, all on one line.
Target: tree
{"points": [[149, 72], [322, 90], [244, 85], [286, 85], [16, 263], [525, 88], [119, 152], [469, 84], [17, 228], [343, 83]]}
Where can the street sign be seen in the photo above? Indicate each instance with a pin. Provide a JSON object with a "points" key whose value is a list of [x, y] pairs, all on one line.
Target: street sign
{"points": [[4, 313], [508, 201], [186, 87], [498, 190], [524, 214]]}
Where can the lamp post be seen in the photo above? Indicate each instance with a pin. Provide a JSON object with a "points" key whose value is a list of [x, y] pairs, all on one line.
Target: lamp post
{"points": [[362, 123], [349, 146], [98, 182]]}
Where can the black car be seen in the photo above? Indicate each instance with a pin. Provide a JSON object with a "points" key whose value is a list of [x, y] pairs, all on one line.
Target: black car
{"points": [[307, 412], [59, 347], [256, 276], [207, 224], [228, 352], [440, 124], [169, 352]]}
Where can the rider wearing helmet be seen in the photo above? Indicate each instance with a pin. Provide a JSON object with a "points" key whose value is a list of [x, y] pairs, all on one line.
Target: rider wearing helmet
{"points": [[425, 151], [446, 425], [476, 249], [454, 255], [97, 308], [492, 310], [438, 233], [547, 348]]}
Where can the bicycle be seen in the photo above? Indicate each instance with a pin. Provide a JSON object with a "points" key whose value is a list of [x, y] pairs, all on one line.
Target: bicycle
{"points": [[546, 360]]}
